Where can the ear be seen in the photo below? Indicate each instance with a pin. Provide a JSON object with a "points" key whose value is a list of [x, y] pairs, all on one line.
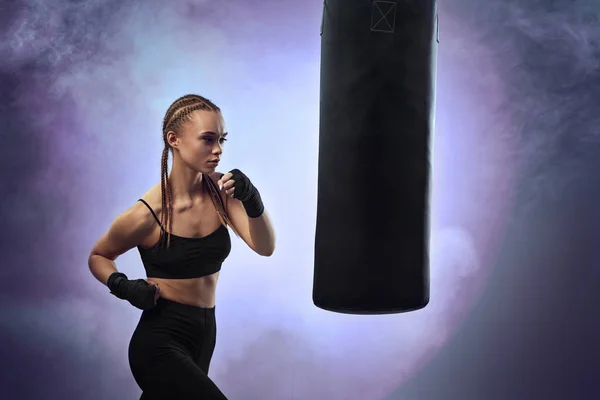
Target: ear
{"points": [[172, 139]]}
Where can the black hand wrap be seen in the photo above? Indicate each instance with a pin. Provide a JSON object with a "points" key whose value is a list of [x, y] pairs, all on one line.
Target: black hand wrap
{"points": [[137, 292], [246, 193]]}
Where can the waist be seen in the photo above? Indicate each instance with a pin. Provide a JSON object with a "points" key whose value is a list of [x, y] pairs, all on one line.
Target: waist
{"points": [[188, 309], [197, 292], [174, 317]]}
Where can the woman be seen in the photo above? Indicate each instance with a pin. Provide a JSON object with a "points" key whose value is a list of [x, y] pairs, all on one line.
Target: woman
{"points": [[180, 230]]}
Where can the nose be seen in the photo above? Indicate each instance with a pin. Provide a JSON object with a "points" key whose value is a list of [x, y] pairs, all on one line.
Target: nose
{"points": [[217, 149]]}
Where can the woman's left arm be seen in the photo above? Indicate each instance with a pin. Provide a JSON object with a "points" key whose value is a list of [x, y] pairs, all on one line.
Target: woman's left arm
{"points": [[247, 214], [258, 233]]}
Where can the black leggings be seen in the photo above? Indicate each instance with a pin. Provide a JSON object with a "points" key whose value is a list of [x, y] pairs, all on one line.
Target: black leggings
{"points": [[170, 352]]}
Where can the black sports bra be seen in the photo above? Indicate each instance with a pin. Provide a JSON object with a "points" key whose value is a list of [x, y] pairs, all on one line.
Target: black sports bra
{"points": [[186, 257]]}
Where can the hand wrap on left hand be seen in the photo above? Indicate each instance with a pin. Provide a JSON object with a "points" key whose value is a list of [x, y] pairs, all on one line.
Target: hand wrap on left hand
{"points": [[247, 193]]}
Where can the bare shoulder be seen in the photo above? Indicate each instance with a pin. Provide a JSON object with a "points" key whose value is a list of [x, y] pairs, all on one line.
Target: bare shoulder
{"points": [[128, 230], [154, 199], [134, 222], [137, 221]]}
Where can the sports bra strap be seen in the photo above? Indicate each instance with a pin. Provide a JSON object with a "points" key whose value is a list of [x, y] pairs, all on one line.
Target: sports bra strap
{"points": [[152, 211]]}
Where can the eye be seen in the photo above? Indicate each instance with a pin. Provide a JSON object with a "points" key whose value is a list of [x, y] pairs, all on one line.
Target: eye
{"points": [[211, 139]]}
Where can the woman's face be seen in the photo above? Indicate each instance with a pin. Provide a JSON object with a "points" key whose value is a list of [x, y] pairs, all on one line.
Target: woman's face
{"points": [[200, 141]]}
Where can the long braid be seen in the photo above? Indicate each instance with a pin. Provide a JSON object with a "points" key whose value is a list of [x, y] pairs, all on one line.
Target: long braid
{"points": [[217, 201], [166, 209], [178, 113]]}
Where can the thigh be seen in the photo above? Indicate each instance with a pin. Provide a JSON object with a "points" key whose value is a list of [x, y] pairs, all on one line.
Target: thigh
{"points": [[208, 347], [181, 378], [164, 371], [174, 375]]}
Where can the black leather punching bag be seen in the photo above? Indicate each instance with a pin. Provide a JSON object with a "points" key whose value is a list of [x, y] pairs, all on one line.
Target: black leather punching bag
{"points": [[378, 69]]}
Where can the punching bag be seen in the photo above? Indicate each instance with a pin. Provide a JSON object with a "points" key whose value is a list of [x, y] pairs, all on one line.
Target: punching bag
{"points": [[377, 105]]}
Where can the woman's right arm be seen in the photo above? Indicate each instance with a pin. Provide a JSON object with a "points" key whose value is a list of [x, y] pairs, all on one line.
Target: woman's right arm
{"points": [[127, 231]]}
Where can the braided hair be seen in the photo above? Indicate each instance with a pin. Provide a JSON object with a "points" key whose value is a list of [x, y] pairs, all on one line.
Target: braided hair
{"points": [[176, 116]]}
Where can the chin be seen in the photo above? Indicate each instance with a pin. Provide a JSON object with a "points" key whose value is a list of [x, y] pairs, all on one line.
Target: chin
{"points": [[207, 169]]}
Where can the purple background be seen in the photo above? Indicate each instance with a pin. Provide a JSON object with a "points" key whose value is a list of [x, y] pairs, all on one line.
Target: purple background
{"points": [[515, 228]]}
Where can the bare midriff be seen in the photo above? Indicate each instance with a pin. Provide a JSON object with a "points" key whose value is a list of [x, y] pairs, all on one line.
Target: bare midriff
{"points": [[199, 292]]}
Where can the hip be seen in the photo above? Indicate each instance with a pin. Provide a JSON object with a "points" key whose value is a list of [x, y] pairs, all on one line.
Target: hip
{"points": [[177, 321], [170, 333]]}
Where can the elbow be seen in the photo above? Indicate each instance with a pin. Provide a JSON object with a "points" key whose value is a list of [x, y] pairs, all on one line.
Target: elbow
{"points": [[264, 244], [92, 262], [95, 262], [266, 251]]}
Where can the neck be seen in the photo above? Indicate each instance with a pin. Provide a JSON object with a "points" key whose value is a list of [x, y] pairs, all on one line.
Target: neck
{"points": [[185, 182]]}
